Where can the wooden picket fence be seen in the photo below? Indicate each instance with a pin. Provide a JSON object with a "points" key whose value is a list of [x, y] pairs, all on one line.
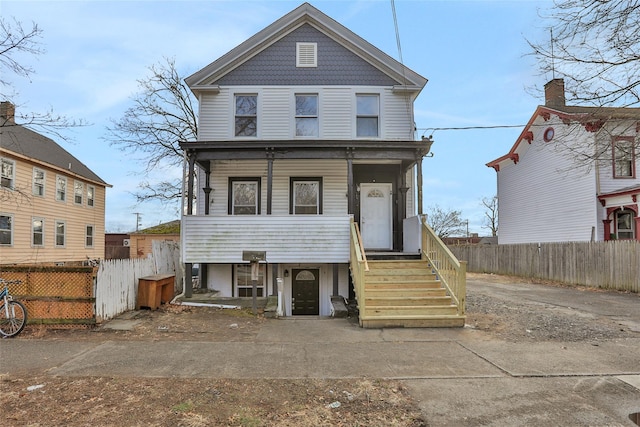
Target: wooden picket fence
{"points": [[608, 265]]}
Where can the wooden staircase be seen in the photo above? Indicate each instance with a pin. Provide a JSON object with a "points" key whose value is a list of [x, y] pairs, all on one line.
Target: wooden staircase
{"points": [[406, 293]]}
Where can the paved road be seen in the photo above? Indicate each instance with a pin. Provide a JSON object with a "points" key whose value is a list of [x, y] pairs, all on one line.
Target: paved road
{"points": [[458, 376]]}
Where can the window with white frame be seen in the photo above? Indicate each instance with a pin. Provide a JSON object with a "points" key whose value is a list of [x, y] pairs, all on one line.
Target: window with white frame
{"points": [[91, 191], [60, 233], [7, 179], [244, 283], [6, 229], [39, 176], [37, 231], [306, 115], [623, 157], [305, 196], [246, 115], [624, 224], [367, 115], [244, 196], [61, 188], [78, 192], [88, 242]]}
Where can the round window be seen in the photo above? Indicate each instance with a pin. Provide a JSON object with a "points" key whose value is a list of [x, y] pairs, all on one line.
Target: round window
{"points": [[548, 134]]}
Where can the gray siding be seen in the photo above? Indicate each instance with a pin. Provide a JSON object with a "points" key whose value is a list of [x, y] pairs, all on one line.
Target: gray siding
{"points": [[276, 65]]}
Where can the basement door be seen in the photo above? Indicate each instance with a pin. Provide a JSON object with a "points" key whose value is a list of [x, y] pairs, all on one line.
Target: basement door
{"points": [[305, 292], [376, 215]]}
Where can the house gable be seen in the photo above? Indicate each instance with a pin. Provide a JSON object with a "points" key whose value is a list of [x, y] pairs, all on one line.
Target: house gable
{"points": [[276, 65]]}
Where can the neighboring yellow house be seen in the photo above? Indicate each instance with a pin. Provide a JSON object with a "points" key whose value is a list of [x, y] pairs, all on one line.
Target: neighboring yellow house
{"points": [[141, 242], [52, 207]]}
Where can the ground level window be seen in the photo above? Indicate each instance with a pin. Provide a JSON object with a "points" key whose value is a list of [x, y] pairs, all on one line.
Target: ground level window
{"points": [[244, 283], [624, 224], [60, 233], [37, 238], [6, 229], [89, 236]]}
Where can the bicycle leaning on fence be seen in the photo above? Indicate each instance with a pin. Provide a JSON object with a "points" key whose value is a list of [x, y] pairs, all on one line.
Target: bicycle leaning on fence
{"points": [[13, 314]]}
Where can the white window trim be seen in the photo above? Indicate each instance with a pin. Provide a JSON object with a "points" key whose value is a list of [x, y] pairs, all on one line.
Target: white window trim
{"points": [[55, 233], [355, 114], [306, 54], [93, 198], [11, 230], [296, 116], [13, 172], [66, 188], [33, 244], [75, 192], [258, 96], [93, 235], [44, 182], [263, 268]]}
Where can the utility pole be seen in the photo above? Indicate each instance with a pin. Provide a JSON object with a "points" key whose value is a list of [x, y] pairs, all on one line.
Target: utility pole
{"points": [[138, 220]]}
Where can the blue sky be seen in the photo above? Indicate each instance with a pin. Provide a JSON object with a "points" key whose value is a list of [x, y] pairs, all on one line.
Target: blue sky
{"points": [[474, 54]]}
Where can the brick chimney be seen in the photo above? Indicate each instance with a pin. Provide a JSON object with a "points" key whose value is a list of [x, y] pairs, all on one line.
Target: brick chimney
{"points": [[7, 112], [554, 93]]}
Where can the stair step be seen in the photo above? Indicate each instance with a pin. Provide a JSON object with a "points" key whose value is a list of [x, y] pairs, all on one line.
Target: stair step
{"points": [[397, 264], [405, 292], [402, 284], [405, 301], [410, 321], [397, 310]]}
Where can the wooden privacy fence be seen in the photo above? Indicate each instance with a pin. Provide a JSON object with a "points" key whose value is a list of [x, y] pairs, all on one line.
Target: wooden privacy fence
{"points": [[117, 279], [53, 295], [609, 265]]}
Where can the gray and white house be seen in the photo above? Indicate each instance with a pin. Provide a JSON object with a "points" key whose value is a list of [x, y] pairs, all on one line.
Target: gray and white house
{"points": [[306, 152]]}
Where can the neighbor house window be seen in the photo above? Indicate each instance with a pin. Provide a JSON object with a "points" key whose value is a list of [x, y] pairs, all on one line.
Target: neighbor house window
{"points": [[246, 115], [91, 191], [305, 196], [60, 233], [624, 224], [244, 196], [89, 236], [37, 232], [38, 182], [244, 284], [367, 114], [8, 173], [78, 192], [623, 158], [6, 229], [306, 115], [61, 188]]}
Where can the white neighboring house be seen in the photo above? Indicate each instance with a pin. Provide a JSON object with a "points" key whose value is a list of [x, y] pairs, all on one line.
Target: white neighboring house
{"points": [[302, 127], [545, 193]]}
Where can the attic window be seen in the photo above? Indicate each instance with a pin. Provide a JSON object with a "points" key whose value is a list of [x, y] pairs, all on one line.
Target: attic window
{"points": [[306, 54]]}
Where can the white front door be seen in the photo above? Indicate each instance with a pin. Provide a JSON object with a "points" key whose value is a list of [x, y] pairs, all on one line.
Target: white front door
{"points": [[376, 216]]}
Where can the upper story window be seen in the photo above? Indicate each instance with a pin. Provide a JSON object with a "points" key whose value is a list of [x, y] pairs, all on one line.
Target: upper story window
{"points": [[6, 229], [8, 174], [246, 115], [306, 196], [61, 188], [78, 192], [623, 158], [307, 115], [244, 196], [38, 182], [37, 232], [306, 54], [91, 191], [367, 115]]}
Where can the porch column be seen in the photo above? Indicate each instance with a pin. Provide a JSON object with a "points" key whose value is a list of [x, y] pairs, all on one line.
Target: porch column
{"points": [[274, 279], [192, 162], [207, 191], [350, 189], [336, 276], [637, 219], [269, 181], [607, 229], [419, 184], [402, 206]]}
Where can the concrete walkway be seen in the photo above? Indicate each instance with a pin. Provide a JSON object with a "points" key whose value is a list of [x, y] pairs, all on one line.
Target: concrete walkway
{"points": [[458, 376]]}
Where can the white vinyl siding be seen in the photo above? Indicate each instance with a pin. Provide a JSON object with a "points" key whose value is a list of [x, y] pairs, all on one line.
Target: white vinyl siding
{"points": [[336, 112]]}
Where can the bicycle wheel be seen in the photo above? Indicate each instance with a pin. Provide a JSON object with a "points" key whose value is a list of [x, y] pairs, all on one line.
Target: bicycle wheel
{"points": [[13, 317]]}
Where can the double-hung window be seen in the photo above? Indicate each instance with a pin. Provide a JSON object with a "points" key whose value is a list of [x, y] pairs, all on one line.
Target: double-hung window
{"points": [[88, 241], [8, 176], [6, 229], [244, 196], [246, 115], [37, 231], [91, 191], [60, 233], [305, 196], [78, 192], [61, 188], [623, 158], [38, 182], [367, 115], [244, 283], [307, 115]]}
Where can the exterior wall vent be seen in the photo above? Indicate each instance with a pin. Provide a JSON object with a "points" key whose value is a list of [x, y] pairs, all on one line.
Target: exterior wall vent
{"points": [[306, 54]]}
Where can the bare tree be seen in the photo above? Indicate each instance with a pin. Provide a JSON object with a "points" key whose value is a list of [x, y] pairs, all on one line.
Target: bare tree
{"points": [[490, 214], [14, 41], [595, 47], [162, 116], [446, 223]]}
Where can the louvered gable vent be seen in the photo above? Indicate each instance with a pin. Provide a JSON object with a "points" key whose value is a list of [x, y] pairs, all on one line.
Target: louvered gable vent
{"points": [[306, 54]]}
